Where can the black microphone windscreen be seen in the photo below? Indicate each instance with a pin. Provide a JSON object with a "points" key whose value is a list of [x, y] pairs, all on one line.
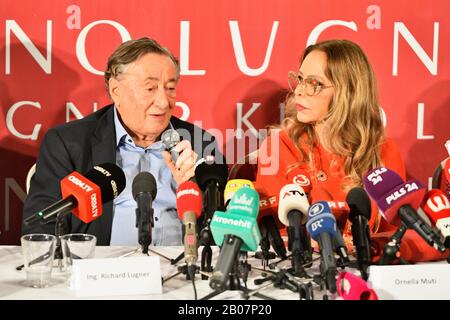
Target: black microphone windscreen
{"points": [[144, 182], [359, 203], [206, 172], [110, 178]]}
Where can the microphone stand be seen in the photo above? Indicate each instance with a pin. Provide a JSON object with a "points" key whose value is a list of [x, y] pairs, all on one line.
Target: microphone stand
{"points": [[393, 246], [214, 199], [296, 246], [144, 224], [284, 279], [240, 270], [265, 255], [206, 240], [59, 231]]}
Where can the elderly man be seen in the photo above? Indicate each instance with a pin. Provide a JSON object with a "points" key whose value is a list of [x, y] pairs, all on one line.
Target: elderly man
{"points": [[141, 79]]}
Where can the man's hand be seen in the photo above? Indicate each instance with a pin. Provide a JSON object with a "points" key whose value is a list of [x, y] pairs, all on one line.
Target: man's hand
{"points": [[184, 168]]}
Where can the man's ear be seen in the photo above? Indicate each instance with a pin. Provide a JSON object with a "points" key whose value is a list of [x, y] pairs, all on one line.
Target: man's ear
{"points": [[114, 90]]}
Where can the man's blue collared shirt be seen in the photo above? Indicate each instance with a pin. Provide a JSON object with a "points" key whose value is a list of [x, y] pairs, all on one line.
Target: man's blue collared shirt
{"points": [[134, 159]]}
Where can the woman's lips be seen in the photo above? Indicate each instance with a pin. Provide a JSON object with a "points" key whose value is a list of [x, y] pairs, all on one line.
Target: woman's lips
{"points": [[299, 107]]}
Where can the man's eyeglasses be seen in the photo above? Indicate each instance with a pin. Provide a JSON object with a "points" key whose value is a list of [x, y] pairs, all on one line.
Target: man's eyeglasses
{"points": [[309, 86]]}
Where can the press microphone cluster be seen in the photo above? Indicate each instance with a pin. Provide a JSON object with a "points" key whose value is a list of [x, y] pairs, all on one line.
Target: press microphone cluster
{"points": [[234, 230], [83, 195], [398, 202]]}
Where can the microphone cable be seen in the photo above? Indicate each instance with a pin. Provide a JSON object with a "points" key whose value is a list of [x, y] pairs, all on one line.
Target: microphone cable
{"points": [[191, 274]]}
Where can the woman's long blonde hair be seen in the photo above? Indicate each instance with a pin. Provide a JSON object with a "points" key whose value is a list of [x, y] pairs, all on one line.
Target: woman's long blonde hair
{"points": [[353, 127]]}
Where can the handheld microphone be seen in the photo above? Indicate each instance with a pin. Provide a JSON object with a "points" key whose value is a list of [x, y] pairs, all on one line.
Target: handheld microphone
{"points": [[234, 185], [398, 201], [322, 227], [359, 215], [437, 208], [235, 230], [292, 212], [170, 138], [189, 207], [84, 195], [144, 192]]}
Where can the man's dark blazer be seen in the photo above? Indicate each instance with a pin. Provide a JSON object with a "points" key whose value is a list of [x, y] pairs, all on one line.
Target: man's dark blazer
{"points": [[78, 146]]}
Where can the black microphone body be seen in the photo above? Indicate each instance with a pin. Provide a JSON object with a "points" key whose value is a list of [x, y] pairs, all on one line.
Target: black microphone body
{"points": [[361, 239], [144, 218], [214, 198], [63, 206], [295, 243], [269, 227], [340, 247], [328, 262], [412, 220], [228, 256], [144, 192], [359, 216], [211, 178]]}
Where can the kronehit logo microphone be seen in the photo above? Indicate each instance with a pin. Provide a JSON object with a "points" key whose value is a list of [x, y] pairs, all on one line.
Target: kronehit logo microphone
{"points": [[235, 230]]}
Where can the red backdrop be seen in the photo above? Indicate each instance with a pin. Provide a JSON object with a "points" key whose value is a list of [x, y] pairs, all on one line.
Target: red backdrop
{"points": [[235, 56]]}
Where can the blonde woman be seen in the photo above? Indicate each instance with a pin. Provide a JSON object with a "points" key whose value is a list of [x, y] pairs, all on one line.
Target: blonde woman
{"points": [[333, 130]]}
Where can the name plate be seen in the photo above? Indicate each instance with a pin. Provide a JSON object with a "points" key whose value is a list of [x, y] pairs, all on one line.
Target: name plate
{"points": [[116, 276], [428, 281]]}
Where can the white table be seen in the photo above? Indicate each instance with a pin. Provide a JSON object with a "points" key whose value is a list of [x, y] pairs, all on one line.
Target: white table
{"points": [[12, 282]]}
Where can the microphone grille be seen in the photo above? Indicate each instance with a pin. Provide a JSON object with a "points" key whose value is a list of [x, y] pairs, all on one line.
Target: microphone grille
{"points": [[144, 182], [213, 171], [170, 138], [359, 203]]}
